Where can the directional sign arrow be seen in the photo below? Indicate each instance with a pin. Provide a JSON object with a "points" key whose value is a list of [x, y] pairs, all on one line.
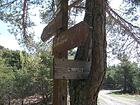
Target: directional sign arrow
{"points": [[71, 38], [52, 27]]}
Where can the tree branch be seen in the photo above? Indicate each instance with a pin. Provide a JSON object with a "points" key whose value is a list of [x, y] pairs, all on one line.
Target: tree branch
{"points": [[8, 3], [74, 3], [124, 24]]}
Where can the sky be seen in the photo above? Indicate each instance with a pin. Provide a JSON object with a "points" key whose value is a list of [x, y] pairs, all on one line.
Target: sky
{"points": [[8, 41]]}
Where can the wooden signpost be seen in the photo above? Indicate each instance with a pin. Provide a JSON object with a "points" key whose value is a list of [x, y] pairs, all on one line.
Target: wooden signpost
{"points": [[52, 28], [70, 69], [60, 86], [64, 40]]}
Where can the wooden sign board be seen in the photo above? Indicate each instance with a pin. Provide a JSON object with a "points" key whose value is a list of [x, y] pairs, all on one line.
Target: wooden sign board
{"points": [[71, 69], [52, 27], [71, 38]]}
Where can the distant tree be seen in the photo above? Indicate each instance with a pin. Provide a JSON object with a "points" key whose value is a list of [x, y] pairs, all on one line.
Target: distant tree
{"points": [[110, 81], [6, 83], [1, 47], [33, 76], [136, 80], [12, 58], [22, 83], [125, 76], [38, 66], [127, 71]]}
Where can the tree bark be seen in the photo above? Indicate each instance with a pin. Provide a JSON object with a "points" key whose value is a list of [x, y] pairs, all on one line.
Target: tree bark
{"points": [[85, 92], [60, 86]]}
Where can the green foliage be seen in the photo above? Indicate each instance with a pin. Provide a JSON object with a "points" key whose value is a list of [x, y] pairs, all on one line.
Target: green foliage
{"points": [[32, 77], [125, 76], [22, 82], [6, 81], [110, 81], [12, 58]]}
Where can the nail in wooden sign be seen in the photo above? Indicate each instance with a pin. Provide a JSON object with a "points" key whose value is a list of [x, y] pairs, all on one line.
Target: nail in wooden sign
{"points": [[52, 27], [71, 38], [71, 69]]}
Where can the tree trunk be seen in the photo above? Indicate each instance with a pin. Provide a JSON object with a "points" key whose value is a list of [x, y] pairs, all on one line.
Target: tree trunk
{"points": [[85, 92], [9, 100], [125, 82], [22, 101]]}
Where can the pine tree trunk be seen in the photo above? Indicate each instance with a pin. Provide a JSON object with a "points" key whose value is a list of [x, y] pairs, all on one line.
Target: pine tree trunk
{"points": [[85, 92]]}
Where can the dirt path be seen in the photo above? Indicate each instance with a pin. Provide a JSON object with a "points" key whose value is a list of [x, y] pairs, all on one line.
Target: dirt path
{"points": [[106, 99]]}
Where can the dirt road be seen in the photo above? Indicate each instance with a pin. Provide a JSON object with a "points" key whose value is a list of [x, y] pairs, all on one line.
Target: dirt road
{"points": [[107, 99]]}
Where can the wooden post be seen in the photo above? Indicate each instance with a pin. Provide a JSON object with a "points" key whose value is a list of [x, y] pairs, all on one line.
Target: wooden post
{"points": [[60, 86]]}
